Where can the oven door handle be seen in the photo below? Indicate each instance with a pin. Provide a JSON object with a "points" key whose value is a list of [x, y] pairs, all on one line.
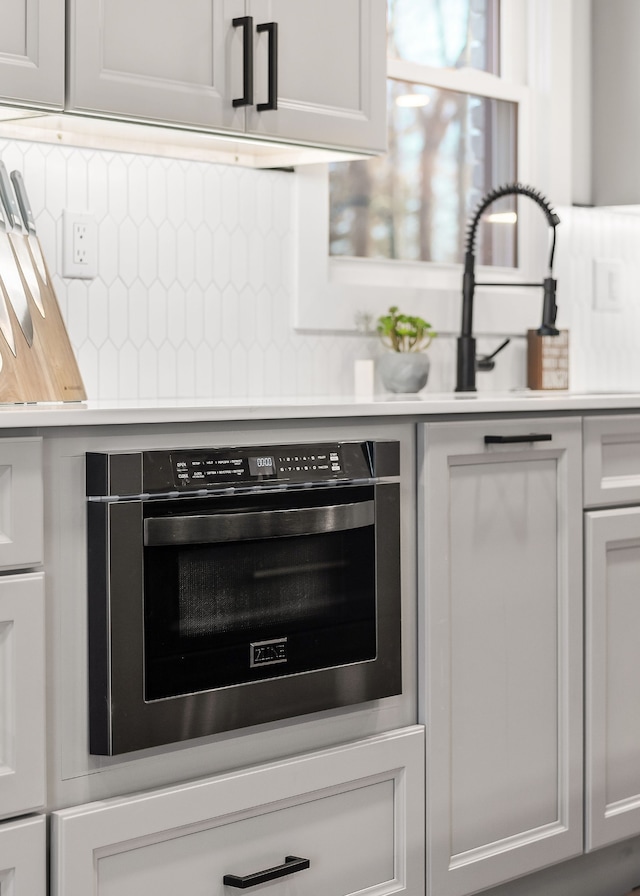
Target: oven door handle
{"points": [[224, 527]]}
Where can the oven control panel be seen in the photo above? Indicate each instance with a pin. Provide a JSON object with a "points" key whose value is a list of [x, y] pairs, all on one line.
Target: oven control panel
{"points": [[138, 473], [203, 468]]}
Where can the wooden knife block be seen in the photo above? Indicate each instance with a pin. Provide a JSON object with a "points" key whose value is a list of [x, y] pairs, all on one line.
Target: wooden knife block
{"points": [[47, 370], [547, 361]]}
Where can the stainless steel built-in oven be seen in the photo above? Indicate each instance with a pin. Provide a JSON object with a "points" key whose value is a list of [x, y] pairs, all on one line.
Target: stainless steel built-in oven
{"points": [[230, 587]]}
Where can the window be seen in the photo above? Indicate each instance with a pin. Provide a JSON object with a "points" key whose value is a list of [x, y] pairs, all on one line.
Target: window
{"points": [[452, 33], [527, 113], [447, 148]]}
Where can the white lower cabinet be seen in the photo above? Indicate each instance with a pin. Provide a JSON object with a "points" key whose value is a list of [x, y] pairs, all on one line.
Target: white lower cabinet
{"points": [[21, 526], [612, 606], [612, 621], [22, 687], [23, 857], [501, 671], [354, 812]]}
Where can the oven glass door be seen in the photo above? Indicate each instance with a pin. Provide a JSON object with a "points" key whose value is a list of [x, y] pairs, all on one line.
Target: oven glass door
{"points": [[246, 588]]}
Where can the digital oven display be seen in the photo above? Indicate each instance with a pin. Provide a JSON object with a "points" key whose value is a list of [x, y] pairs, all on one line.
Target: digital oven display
{"points": [[262, 466]]}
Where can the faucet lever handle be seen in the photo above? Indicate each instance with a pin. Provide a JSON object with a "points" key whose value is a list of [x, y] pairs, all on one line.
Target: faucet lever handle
{"points": [[486, 362]]}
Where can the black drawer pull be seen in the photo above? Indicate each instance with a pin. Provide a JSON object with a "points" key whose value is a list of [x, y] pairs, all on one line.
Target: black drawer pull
{"points": [[272, 101], [290, 866], [526, 437], [246, 23]]}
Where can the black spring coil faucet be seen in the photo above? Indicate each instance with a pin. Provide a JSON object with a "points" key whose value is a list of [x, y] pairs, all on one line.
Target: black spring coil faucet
{"points": [[466, 354]]}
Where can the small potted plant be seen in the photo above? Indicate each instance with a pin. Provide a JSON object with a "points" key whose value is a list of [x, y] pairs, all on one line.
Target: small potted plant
{"points": [[405, 368]]}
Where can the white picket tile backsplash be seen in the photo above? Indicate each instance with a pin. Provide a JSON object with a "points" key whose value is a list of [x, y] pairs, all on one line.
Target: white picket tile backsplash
{"points": [[604, 345], [195, 278]]}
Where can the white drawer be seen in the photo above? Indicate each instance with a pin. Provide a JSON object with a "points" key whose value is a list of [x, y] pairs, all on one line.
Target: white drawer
{"points": [[21, 514], [611, 460], [22, 712], [23, 857], [356, 812]]}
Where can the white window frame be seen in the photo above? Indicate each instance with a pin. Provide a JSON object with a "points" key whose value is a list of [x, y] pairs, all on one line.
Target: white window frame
{"points": [[347, 294]]}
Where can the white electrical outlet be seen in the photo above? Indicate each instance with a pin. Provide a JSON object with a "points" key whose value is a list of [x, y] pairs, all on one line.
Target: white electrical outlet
{"points": [[607, 286], [79, 245]]}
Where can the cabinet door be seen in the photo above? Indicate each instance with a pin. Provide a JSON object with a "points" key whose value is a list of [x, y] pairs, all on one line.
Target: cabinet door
{"points": [[23, 857], [157, 60], [355, 812], [21, 524], [612, 683], [32, 53], [22, 734], [501, 599], [614, 26], [331, 72]]}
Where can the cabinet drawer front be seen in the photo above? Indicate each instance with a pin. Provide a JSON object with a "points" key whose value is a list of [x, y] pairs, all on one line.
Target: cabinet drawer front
{"points": [[23, 857], [611, 460], [355, 812], [22, 711], [20, 503]]}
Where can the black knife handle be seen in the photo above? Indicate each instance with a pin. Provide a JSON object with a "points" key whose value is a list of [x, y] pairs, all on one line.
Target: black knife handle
{"points": [[246, 23], [290, 866], [525, 437], [272, 74]]}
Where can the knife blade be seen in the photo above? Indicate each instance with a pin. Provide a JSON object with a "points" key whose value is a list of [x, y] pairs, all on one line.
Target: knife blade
{"points": [[5, 323], [17, 238], [29, 222], [13, 284]]}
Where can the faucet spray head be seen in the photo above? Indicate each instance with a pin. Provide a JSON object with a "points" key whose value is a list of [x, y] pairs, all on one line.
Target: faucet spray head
{"points": [[549, 309]]}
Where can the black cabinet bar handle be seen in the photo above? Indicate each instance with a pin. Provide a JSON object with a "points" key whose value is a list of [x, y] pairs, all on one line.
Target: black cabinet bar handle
{"points": [[272, 102], [526, 437], [290, 866], [246, 23]]}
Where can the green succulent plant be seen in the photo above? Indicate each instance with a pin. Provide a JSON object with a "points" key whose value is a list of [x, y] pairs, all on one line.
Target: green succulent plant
{"points": [[404, 332]]}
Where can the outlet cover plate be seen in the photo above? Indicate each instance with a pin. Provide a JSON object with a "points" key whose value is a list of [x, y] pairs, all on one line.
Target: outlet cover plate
{"points": [[79, 245], [607, 285]]}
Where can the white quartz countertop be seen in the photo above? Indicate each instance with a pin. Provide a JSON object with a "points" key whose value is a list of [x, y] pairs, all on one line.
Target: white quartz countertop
{"points": [[103, 413]]}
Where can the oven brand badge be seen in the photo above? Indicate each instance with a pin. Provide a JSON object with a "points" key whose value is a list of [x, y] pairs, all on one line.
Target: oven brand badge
{"points": [[268, 653]]}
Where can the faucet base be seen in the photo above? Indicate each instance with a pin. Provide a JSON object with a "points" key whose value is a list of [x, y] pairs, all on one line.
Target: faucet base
{"points": [[466, 364]]}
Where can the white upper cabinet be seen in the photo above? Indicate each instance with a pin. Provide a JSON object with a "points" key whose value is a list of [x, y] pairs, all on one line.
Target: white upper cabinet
{"points": [[615, 123], [32, 53], [293, 70], [330, 69]]}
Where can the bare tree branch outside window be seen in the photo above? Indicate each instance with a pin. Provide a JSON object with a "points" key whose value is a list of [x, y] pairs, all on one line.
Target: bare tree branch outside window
{"points": [[413, 203]]}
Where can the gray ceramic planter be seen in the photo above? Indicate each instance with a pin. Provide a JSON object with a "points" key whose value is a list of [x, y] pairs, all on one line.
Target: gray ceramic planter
{"points": [[404, 372]]}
